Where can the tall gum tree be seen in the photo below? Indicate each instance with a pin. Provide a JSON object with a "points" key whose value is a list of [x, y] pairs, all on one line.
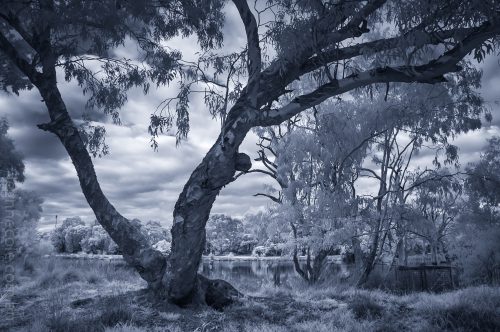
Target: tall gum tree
{"points": [[319, 38]]}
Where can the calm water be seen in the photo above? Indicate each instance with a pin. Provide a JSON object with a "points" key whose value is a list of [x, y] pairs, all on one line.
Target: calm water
{"points": [[253, 274]]}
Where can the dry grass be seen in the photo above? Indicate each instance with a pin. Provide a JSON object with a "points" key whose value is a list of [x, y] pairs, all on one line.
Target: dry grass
{"points": [[79, 296]]}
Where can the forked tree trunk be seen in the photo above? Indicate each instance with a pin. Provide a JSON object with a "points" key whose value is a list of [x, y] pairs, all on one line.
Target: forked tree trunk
{"points": [[178, 275], [311, 272]]}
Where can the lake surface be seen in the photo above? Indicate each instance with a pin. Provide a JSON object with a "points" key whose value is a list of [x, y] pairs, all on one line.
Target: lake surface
{"points": [[255, 273], [246, 273]]}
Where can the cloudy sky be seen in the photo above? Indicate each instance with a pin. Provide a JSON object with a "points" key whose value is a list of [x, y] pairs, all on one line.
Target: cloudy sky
{"points": [[143, 183]]}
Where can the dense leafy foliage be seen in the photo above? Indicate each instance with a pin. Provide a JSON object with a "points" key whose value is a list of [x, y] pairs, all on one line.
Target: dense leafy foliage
{"points": [[227, 235], [74, 236]]}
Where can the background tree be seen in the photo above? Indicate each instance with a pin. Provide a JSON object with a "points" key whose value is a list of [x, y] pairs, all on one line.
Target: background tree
{"points": [[436, 202], [11, 160], [226, 235], [19, 216], [478, 227], [317, 162], [22, 226]]}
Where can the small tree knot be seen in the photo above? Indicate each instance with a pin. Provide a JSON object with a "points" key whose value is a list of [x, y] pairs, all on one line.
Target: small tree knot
{"points": [[242, 162]]}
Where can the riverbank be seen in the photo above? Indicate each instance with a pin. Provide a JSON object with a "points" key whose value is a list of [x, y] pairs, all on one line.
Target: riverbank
{"points": [[93, 295], [335, 258]]}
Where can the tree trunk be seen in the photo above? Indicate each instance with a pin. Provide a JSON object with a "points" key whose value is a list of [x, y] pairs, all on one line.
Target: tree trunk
{"points": [[179, 275], [311, 273], [358, 254], [434, 250], [133, 244], [192, 210], [370, 259], [318, 265]]}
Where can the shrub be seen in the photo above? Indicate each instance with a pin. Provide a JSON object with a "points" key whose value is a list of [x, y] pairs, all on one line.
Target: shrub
{"points": [[73, 236], [246, 245], [365, 307], [58, 236], [98, 241], [259, 251], [57, 240], [271, 250], [163, 246], [478, 255]]}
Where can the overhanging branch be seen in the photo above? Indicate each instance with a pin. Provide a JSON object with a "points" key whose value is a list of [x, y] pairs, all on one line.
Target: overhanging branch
{"points": [[432, 72]]}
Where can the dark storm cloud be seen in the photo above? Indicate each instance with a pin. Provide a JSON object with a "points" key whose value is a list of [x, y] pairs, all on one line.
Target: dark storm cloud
{"points": [[27, 110], [24, 113]]}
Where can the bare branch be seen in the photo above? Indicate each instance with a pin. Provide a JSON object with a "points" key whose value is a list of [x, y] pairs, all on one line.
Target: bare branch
{"points": [[274, 199]]}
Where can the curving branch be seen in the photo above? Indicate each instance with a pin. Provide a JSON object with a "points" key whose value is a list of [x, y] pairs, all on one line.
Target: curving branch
{"points": [[254, 60], [415, 38], [431, 72], [284, 71], [274, 199]]}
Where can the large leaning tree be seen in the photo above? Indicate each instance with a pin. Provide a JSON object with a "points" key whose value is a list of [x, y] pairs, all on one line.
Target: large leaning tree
{"points": [[411, 41]]}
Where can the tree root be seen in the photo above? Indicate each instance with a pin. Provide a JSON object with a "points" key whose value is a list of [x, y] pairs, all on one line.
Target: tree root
{"points": [[217, 293]]}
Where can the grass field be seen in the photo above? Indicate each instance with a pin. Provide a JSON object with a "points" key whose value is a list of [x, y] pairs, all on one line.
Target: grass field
{"points": [[64, 295]]}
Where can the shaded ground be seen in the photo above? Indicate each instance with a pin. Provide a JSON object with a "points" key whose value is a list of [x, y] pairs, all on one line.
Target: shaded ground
{"points": [[56, 295]]}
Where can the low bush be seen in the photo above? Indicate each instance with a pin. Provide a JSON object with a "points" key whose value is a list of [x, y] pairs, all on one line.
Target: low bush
{"points": [[478, 256], [365, 307], [270, 250], [59, 238], [98, 241]]}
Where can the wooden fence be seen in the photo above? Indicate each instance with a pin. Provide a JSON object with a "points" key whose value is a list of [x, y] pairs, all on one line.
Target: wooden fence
{"points": [[432, 278]]}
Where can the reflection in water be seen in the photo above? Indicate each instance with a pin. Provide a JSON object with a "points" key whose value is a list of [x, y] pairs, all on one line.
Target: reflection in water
{"points": [[252, 274]]}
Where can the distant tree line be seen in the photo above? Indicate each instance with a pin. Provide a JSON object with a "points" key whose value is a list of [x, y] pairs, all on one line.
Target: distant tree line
{"points": [[75, 236]]}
